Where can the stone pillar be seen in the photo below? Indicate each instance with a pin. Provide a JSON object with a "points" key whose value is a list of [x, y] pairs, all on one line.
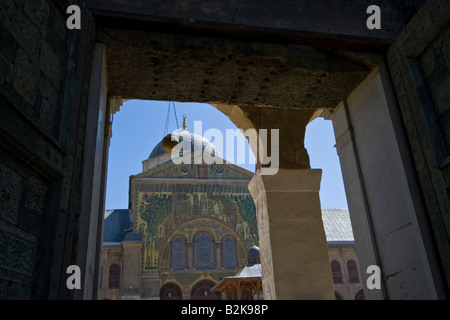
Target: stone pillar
{"points": [[190, 255], [294, 253], [218, 250]]}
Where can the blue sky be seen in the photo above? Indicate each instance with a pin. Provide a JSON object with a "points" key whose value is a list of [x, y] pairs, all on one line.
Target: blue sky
{"points": [[140, 126]]}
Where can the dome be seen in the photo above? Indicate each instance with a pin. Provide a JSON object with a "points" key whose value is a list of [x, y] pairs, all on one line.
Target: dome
{"points": [[197, 143], [132, 237], [253, 255]]}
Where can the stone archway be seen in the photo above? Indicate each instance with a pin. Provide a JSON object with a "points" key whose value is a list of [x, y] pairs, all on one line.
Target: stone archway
{"points": [[294, 189], [259, 86], [55, 129], [202, 291], [223, 71], [170, 291]]}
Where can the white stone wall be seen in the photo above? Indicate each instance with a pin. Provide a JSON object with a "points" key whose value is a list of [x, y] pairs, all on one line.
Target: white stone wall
{"points": [[384, 185]]}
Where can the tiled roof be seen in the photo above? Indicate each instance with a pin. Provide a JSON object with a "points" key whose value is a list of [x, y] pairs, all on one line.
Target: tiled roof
{"points": [[116, 221], [337, 225], [250, 270]]}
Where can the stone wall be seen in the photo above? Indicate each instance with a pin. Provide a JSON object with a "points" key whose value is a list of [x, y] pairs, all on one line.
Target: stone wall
{"points": [[110, 254], [343, 253], [386, 213], [325, 23], [420, 63], [44, 87], [44, 71]]}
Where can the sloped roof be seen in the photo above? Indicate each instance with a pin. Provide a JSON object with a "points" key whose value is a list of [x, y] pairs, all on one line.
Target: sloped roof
{"points": [[116, 221], [249, 271], [248, 277], [337, 225]]}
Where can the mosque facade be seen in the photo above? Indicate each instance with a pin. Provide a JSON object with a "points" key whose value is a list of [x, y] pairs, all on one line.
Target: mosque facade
{"points": [[187, 227], [191, 225]]}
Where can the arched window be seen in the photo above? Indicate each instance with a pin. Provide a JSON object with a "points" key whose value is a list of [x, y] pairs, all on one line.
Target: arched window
{"points": [[170, 291], [204, 251], [352, 269], [178, 252], [229, 259], [336, 271], [360, 295], [114, 276]]}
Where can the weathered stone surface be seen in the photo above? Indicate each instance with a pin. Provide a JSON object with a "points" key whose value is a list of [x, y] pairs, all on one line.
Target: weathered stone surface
{"points": [[294, 254], [312, 21], [248, 54], [419, 64], [181, 68], [41, 65]]}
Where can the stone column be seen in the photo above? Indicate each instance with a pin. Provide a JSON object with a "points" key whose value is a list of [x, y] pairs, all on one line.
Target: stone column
{"points": [[190, 255], [294, 253], [218, 250]]}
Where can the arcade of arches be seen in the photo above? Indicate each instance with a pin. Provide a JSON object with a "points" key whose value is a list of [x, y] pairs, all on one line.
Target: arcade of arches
{"points": [[386, 92], [201, 291]]}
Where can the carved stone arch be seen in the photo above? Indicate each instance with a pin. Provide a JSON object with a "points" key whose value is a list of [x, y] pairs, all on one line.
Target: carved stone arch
{"points": [[202, 291], [186, 228], [170, 291], [237, 115]]}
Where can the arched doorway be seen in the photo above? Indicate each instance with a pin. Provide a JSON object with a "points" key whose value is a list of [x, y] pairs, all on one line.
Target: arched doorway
{"points": [[202, 291], [338, 296], [170, 291], [360, 295]]}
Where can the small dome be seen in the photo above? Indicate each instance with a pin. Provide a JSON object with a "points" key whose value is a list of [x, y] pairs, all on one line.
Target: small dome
{"points": [[197, 143], [132, 237], [253, 255]]}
